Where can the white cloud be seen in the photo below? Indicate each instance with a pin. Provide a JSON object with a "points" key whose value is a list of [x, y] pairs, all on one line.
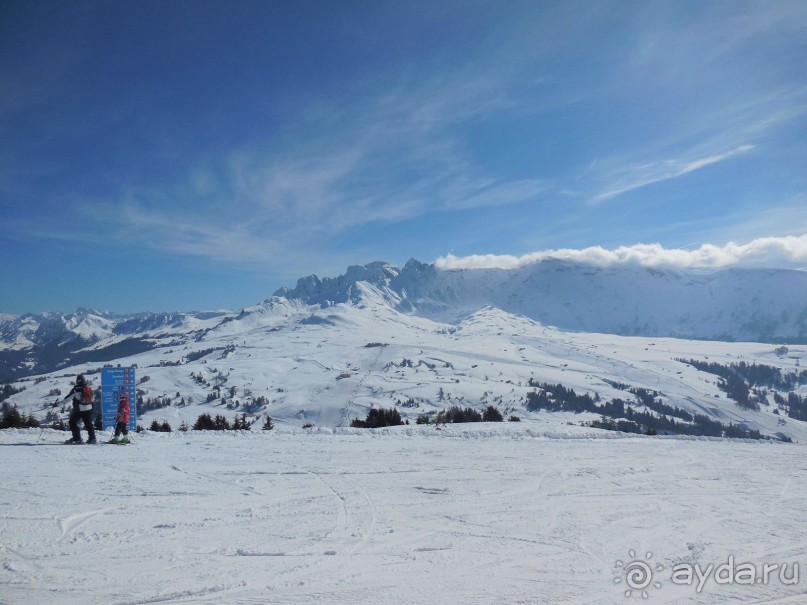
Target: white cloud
{"points": [[789, 251]]}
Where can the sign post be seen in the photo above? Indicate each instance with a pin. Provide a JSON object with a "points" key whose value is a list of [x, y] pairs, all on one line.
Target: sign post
{"points": [[115, 381]]}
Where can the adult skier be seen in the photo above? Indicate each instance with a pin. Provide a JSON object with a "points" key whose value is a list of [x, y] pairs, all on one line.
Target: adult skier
{"points": [[82, 410]]}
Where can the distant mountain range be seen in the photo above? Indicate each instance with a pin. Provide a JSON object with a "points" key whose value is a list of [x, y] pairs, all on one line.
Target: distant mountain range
{"points": [[764, 305], [40, 343]]}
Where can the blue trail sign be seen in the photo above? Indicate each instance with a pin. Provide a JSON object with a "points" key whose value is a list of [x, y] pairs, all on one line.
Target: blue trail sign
{"points": [[115, 381]]}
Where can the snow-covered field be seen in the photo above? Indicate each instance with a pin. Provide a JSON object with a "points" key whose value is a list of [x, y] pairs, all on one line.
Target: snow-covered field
{"points": [[530, 512]]}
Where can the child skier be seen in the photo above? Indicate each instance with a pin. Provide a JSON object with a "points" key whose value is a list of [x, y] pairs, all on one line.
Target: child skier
{"points": [[122, 420]]}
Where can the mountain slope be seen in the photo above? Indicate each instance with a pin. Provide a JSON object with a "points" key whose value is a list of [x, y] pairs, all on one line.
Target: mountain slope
{"points": [[423, 340], [327, 365]]}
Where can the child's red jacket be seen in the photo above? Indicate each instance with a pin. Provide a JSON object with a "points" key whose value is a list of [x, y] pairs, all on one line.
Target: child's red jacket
{"points": [[123, 411]]}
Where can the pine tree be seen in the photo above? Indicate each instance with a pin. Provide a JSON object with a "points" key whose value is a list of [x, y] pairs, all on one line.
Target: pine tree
{"points": [[379, 417], [204, 423], [244, 423], [11, 418], [492, 414]]}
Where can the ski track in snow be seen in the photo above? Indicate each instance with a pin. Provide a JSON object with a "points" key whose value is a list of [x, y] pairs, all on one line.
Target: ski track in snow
{"points": [[72, 523], [484, 514]]}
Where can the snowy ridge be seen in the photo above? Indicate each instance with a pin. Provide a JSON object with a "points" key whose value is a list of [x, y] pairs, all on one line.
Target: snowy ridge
{"points": [[735, 304], [721, 304]]}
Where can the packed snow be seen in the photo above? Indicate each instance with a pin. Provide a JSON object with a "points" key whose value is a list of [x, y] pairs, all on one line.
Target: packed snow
{"points": [[531, 512]]}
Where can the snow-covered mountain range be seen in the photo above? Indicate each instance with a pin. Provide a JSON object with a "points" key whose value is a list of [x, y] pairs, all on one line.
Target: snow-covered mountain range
{"points": [[762, 305], [423, 339], [43, 342]]}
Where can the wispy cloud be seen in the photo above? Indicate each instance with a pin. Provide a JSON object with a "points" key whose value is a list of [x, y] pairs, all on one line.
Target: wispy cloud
{"points": [[228, 241], [750, 126], [719, 82], [788, 251], [637, 176], [391, 158]]}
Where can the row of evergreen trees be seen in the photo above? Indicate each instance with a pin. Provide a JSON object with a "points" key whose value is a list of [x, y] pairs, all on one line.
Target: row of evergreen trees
{"points": [[619, 415], [738, 379], [795, 406], [13, 419], [456, 414], [205, 422], [755, 374], [377, 418], [381, 417]]}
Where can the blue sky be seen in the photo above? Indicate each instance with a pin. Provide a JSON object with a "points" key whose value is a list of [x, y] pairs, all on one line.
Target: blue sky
{"points": [[190, 155]]}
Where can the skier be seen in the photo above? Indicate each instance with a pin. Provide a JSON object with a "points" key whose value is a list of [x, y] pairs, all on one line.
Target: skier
{"points": [[82, 410], [122, 420]]}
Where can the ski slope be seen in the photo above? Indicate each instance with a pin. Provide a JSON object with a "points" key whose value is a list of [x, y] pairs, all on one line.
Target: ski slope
{"points": [[531, 512]]}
